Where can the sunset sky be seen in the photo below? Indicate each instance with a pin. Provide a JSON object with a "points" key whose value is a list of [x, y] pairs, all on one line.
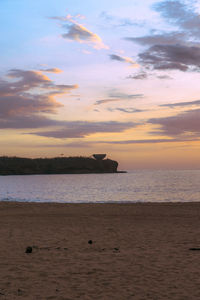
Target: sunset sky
{"points": [[120, 77]]}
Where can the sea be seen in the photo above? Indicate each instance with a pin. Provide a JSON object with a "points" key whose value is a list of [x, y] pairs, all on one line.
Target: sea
{"points": [[134, 186]]}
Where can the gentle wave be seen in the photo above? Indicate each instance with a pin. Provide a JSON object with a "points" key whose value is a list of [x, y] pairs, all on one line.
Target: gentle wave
{"points": [[136, 186]]}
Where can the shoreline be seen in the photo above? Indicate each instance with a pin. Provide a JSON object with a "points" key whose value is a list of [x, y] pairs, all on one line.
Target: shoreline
{"points": [[73, 173], [110, 202], [138, 250]]}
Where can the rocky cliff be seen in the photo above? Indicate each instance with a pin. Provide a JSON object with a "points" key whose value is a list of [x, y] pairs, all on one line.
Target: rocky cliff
{"points": [[57, 165]]}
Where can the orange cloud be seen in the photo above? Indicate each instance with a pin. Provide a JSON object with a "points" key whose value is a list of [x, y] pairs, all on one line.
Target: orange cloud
{"points": [[79, 33], [53, 70], [26, 95]]}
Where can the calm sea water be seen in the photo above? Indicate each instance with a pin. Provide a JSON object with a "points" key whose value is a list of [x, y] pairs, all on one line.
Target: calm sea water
{"points": [[137, 186]]}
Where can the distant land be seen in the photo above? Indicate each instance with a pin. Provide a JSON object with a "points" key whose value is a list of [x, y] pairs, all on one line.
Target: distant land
{"points": [[57, 165]]}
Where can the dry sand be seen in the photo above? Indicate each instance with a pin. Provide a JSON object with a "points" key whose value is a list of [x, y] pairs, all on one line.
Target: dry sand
{"points": [[152, 259]]}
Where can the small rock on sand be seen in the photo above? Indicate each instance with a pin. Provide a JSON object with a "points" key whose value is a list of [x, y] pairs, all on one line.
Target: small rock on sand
{"points": [[29, 249]]}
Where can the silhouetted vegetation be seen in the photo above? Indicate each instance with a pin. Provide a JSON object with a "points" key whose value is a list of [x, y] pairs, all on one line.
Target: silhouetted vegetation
{"points": [[57, 165]]}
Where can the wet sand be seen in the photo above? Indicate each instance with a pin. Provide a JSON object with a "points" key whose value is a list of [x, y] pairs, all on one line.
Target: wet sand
{"points": [[138, 251]]}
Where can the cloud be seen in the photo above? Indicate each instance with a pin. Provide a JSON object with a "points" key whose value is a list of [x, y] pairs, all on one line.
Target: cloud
{"points": [[26, 96], [117, 96], [27, 102], [31, 121], [80, 129], [145, 75], [115, 21], [166, 57], [22, 104], [26, 82], [138, 76], [68, 18], [52, 70], [186, 18], [181, 104], [146, 141], [81, 144], [79, 33], [124, 59], [177, 50], [129, 110], [99, 102], [158, 39], [164, 77], [75, 144], [186, 123]]}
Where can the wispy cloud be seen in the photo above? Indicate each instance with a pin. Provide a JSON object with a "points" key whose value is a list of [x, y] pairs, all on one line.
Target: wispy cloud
{"points": [[146, 75], [79, 33], [183, 124], [181, 104], [158, 39], [164, 77], [124, 59], [52, 70], [115, 96], [86, 144], [115, 21], [80, 129], [138, 76], [128, 110], [184, 16], [103, 101], [146, 141]]}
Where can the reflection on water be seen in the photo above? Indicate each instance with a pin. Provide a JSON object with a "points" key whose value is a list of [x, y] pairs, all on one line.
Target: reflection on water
{"points": [[136, 186]]}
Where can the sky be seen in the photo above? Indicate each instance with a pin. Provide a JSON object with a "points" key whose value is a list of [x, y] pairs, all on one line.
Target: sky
{"points": [[119, 77]]}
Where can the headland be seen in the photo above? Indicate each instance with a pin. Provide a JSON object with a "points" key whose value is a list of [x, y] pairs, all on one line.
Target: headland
{"points": [[56, 165]]}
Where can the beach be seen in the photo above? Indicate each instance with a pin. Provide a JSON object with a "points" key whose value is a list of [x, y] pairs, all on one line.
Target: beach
{"points": [[135, 251]]}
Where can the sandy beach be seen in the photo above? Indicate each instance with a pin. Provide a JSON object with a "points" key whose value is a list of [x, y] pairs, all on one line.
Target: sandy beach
{"points": [[138, 251]]}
